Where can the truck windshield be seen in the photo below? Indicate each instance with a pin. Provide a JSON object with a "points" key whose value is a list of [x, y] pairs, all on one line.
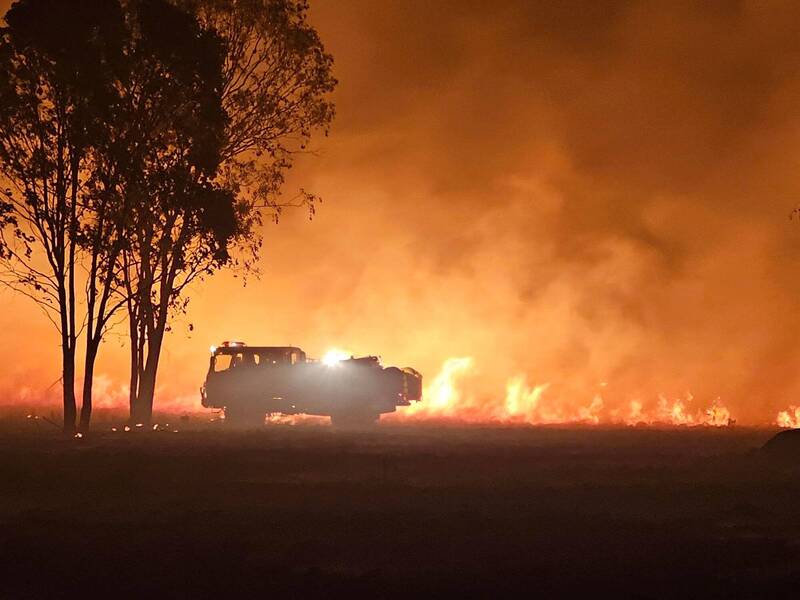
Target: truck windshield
{"points": [[225, 362], [269, 357]]}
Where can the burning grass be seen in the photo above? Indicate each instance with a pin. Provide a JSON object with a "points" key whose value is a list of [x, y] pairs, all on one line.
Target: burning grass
{"points": [[449, 397], [445, 398]]}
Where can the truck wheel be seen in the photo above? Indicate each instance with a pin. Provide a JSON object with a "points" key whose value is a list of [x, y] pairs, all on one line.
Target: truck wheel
{"points": [[355, 420], [244, 417]]}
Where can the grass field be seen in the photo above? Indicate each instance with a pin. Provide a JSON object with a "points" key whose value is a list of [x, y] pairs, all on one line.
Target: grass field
{"points": [[397, 512]]}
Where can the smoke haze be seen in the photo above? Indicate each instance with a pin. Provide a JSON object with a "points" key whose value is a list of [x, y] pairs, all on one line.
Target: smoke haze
{"points": [[592, 195]]}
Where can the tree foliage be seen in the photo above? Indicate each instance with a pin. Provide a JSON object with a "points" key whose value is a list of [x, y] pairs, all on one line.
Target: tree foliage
{"points": [[184, 220], [141, 144], [274, 86]]}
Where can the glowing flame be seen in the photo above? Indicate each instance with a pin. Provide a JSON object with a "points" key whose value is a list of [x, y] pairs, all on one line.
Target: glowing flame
{"points": [[456, 394], [789, 418], [533, 405], [675, 412], [442, 394], [300, 419], [334, 356], [718, 416], [635, 415]]}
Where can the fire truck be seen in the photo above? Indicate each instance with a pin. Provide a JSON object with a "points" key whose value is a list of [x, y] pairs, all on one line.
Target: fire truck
{"points": [[249, 382]]}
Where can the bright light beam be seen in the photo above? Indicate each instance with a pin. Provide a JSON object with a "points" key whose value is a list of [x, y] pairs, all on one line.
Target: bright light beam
{"points": [[334, 356]]}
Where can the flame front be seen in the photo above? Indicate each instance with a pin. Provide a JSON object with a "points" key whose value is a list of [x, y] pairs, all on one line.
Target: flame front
{"points": [[442, 396], [446, 399], [450, 396], [789, 418]]}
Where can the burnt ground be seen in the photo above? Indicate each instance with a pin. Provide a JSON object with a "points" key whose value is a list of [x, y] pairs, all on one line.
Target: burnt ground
{"points": [[400, 511]]}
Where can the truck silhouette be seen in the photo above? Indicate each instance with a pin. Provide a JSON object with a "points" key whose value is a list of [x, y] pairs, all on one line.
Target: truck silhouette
{"points": [[250, 381]]}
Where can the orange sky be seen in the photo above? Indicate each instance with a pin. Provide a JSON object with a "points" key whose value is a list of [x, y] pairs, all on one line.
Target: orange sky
{"points": [[577, 193]]}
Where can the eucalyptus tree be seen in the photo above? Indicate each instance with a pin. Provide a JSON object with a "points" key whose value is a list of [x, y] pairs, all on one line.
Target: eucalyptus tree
{"points": [[111, 130], [274, 90], [57, 62], [142, 143]]}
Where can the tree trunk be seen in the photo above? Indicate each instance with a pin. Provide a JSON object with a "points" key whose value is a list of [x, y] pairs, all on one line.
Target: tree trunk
{"points": [[138, 339], [143, 412], [68, 388], [88, 378], [133, 391]]}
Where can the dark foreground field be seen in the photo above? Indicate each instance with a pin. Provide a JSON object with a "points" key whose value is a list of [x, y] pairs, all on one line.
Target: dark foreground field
{"points": [[309, 511]]}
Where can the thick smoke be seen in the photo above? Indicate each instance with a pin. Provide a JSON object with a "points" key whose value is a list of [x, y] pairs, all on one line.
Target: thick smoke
{"points": [[594, 196]]}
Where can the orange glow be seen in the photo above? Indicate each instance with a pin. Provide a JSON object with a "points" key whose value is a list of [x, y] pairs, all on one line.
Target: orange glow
{"points": [[446, 399], [601, 227], [441, 397], [789, 418]]}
